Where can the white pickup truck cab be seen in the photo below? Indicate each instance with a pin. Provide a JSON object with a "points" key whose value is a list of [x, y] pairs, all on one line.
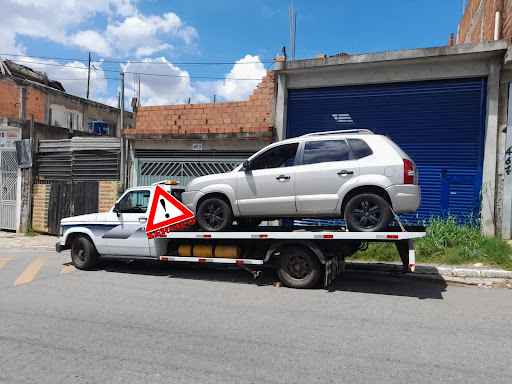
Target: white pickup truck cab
{"points": [[118, 232]]}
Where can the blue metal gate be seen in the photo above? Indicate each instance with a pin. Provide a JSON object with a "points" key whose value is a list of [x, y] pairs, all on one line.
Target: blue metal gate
{"points": [[441, 124]]}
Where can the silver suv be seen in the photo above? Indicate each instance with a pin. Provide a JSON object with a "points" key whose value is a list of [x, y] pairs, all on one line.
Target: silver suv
{"points": [[351, 174]]}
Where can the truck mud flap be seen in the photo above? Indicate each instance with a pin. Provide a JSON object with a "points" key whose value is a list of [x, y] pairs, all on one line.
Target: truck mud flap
{"points": [[333, 268]]}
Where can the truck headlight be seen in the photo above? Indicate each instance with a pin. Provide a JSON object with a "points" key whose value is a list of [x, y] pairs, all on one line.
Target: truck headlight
{"points": [[61, 230]]}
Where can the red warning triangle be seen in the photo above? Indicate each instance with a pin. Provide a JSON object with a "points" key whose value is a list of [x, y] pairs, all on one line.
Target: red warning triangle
{"points": [[166, 210]]}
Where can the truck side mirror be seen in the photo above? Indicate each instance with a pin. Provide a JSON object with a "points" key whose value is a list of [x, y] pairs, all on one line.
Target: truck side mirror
{"points": [[246, 166], [117, 209]]}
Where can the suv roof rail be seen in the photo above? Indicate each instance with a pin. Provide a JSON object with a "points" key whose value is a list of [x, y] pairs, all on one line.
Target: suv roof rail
{"points": [[360, 131]]}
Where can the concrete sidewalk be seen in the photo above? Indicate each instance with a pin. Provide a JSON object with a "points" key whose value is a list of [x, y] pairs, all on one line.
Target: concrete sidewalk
{"points": [[467, 274], [19, 240]]}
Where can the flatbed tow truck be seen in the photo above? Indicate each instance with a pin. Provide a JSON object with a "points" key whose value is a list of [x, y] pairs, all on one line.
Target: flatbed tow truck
{"points": [[304, 257]]}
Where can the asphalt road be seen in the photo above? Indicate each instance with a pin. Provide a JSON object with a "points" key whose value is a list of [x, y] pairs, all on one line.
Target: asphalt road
{"points": [[153, 323]]}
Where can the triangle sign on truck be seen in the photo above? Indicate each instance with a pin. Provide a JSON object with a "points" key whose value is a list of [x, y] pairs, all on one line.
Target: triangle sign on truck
{"points": [[165, 211]]}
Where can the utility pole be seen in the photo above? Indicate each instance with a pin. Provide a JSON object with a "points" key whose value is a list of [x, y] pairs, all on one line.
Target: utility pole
{"points": [[88, 75], [293, 29], [138, 94], [121, 129]]}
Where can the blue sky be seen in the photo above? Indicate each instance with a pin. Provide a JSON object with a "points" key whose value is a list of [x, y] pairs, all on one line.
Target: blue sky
{"points": [[163, 37]]}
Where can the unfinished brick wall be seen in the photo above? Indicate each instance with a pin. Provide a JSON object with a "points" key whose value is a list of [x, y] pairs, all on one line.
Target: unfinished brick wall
{"points": [[478, 21], [506, 20], [10, 98], [253, 115], [35, 105], [107, 195], [41, 203]]}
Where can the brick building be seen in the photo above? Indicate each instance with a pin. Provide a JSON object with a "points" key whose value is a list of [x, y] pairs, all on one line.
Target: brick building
{"points": [[485, 20], [189, 140], [57, 115]]}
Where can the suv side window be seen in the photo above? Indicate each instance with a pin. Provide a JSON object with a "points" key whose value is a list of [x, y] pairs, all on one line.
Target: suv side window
{"points": [[135, 202], [324, 151], [360, 148], [281, 156]]}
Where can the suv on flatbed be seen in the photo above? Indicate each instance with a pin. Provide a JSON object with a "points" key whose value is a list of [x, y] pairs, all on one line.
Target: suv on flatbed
{"points": [[351, 174]]}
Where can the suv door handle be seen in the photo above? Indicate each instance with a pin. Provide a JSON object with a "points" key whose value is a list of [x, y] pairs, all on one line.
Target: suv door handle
{"points": [[143, 219], [282, 177], [345, 172]]}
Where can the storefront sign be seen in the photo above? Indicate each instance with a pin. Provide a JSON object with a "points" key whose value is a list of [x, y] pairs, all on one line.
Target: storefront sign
{"points": [[8, 139]]}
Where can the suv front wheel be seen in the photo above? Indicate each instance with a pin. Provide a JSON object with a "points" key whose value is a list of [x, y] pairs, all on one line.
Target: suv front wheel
{"points": [[367, 213], [214, 215]]}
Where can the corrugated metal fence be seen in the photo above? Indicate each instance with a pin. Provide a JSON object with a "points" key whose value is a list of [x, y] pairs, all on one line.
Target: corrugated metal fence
{"points": [[73, 168]]}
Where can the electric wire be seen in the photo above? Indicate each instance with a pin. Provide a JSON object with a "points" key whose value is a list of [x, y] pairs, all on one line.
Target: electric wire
{"points": [[60, 66], [139, 62]]}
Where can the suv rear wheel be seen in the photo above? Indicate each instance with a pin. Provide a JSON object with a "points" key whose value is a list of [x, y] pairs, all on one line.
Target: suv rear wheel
{"points": [[214, 215], [367, 213]]}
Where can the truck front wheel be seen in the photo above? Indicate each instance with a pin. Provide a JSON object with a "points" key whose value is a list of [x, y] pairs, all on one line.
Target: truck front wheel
{"points": [[297, 268], [83, 253]]}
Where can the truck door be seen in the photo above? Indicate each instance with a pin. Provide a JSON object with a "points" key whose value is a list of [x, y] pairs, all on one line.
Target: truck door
{"points": [[128, 237]]}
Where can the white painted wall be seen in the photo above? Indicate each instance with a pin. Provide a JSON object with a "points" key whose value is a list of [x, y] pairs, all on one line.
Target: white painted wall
{"points": [[67, 118]]}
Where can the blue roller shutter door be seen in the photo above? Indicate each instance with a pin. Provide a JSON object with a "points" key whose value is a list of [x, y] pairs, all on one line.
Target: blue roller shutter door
{"points": [[441, 124]]}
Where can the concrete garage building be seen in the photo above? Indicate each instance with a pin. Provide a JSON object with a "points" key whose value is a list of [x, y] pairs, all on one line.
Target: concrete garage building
{"points": [[445, 106]]}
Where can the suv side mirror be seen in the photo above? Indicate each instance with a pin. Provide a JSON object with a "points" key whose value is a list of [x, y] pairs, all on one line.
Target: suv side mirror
{"points": [[246, 166], [117, 209]]}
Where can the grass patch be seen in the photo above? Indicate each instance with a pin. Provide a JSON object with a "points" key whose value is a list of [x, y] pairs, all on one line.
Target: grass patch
{"points": [[448, 242], [30, 232]]}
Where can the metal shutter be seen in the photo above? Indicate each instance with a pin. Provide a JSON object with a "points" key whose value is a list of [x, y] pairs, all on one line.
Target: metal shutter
{"points": [[441, 124], [183, 166]]}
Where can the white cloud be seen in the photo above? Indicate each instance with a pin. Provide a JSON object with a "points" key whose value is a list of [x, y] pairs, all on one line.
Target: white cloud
{"points": [[141, 33], [233, 87], [128, 30], [50, 19], [112, 101], [170, 85], [148, 51], [125, 32], [73, 75], [125, 7], [92, 41]]}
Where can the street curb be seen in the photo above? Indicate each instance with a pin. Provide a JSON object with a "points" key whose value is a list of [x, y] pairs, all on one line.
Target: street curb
{"points": [[40, 247], [430, 270]]}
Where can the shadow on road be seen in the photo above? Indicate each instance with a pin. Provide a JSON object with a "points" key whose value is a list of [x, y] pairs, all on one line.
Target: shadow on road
{"points": [[350, 281], [388, 284]]}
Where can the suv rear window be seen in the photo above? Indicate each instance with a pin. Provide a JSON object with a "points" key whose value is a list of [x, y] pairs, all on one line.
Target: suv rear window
{"points": [[324, 151], [360, 148]]}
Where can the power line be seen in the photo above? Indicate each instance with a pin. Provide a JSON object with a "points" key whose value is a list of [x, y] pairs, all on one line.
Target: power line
{"points": [[75, 79], [60, 66], [139, 62]]}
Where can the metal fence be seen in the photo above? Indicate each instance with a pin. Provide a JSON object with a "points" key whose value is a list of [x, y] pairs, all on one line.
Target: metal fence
{"points": [[183, 170]]}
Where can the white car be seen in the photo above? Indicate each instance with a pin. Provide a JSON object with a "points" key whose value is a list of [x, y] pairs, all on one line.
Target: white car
{"points": [[352, 174]]}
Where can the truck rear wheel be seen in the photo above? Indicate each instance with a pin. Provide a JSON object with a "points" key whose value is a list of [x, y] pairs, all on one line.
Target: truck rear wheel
{"points": [[83, 253], [298, 268]]}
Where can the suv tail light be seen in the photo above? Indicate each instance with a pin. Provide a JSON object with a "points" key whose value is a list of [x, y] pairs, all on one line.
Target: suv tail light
{"points": [[408, 172]]}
